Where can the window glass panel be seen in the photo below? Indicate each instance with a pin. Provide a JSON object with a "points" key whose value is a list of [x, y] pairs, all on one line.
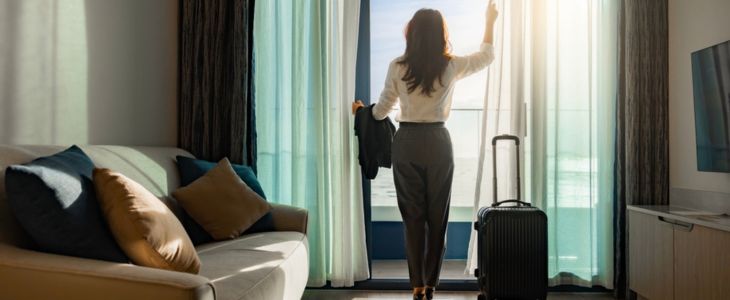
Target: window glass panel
{"points": [[465, 20]]}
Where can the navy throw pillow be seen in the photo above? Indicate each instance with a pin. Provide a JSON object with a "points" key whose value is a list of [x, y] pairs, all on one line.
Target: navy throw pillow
{"points": [[190, 170], [54, 200]]}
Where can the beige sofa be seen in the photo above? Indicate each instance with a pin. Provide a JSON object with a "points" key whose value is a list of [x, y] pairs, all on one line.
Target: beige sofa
{"points": [[271, 265]]}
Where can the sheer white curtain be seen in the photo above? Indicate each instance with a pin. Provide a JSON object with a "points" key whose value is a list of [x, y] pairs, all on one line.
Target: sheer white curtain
{"points": [[574, 120], [558, 57], [504, 109], [305, 54]]}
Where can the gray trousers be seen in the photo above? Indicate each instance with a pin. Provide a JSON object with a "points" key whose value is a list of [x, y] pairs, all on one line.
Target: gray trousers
{"points": [[423, 168]]}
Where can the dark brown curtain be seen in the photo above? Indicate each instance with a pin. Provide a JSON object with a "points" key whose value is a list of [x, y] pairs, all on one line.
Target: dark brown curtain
{"points": [[216, 107], [642, 142]]}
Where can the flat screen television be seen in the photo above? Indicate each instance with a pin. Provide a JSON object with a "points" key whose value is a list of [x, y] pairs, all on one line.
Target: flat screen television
{"points": [[711, 85]]}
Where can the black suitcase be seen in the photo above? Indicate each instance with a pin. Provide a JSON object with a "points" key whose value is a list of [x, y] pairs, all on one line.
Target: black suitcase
{"points": [[511, 244]]}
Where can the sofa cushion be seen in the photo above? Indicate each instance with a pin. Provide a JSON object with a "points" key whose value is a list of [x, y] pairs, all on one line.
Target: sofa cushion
{"points": [[145, 228], [267, 265], [222, 203], [53, 199], [191, 169]]}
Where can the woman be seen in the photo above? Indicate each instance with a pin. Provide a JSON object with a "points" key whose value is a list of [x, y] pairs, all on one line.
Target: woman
{"points": [[423, 163]]}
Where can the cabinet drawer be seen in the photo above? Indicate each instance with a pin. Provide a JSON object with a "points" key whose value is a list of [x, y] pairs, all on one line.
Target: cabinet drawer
{"points": [[702, 264], [651, 253]]}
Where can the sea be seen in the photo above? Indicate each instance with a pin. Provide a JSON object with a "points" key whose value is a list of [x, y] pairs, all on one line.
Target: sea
{"points": [[462, 190]]}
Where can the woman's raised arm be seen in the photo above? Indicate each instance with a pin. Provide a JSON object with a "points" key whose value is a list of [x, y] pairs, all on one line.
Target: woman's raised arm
{"points": [[492, 15]]}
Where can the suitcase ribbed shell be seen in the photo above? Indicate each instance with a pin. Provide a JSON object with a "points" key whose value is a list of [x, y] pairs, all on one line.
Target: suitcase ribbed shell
{"points": [[512, 252]]}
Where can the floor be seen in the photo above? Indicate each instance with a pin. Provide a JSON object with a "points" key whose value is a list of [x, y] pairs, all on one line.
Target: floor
{"points": [[357, 295], [398, 269]]}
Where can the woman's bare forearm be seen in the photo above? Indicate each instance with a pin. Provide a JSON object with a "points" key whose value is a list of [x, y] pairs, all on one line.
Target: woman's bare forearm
{"points": [[489, 33], [492, 15]]}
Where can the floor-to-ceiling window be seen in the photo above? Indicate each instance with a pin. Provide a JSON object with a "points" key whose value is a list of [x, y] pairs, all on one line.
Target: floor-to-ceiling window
{"points": [[569, 87], [466, 22]]}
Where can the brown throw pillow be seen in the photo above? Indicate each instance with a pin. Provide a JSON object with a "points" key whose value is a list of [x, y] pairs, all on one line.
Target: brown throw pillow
{"points": [[221, 202], [146, 230]]}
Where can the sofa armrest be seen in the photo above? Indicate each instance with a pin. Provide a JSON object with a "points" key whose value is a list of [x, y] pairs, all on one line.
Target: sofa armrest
{"points": [[26, 274], [289, 218]]}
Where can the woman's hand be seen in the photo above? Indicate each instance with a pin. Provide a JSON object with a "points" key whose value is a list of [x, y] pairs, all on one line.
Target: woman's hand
{"points": [[492, 12], [357, 105]]}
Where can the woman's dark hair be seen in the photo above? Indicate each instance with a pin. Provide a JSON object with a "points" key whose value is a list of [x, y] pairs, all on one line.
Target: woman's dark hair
{"points": [[427, 51]]}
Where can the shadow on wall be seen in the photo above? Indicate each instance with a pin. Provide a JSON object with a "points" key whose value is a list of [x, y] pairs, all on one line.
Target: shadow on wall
{"points": [[132, 71], [88, 72]]}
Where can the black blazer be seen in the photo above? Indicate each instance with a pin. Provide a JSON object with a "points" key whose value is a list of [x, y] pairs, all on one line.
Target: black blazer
{"points": [[375, 138]]}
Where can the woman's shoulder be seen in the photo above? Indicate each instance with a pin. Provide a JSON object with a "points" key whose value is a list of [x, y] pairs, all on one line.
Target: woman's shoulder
{"points": [[459, 61], [396, 64]]}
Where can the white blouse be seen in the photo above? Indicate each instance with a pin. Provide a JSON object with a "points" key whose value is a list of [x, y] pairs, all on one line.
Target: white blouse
{"points": [[418, 108]]}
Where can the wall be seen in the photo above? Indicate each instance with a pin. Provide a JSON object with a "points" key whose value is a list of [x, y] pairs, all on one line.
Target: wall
{"points": [[693, 25], [88, 72]]}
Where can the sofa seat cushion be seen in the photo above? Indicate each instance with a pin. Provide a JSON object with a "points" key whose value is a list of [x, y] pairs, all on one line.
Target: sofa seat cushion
{"points": [[267, 265]]}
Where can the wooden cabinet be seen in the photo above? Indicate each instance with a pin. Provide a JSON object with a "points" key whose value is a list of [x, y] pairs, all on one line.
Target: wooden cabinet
{"points": [[702, 264], [650, 256], [671, 259]]}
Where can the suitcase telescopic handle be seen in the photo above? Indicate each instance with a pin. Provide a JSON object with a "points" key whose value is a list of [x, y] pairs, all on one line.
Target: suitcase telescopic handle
{"points": [[494, 168], [511, 201]]}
